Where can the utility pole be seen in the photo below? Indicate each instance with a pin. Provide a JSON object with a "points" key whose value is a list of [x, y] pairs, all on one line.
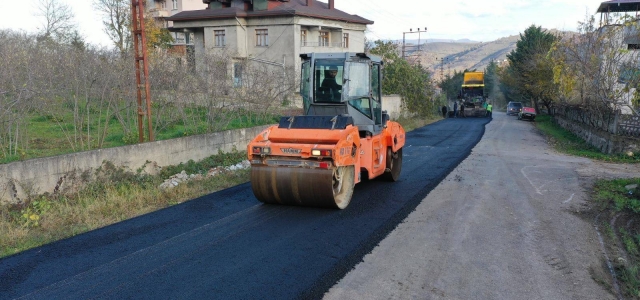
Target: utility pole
{"points": [[411, 31], [442, 62], [142, 68]]}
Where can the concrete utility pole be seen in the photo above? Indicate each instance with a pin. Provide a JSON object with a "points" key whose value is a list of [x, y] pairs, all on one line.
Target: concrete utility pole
{"points": [[419, 30]]}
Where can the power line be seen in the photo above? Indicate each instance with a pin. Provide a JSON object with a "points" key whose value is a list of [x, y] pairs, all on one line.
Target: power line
{"points": [[403, 39]]}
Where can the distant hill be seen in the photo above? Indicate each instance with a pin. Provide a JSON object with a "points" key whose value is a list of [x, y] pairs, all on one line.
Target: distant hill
{"points": [[444, 57], [415, 41]]}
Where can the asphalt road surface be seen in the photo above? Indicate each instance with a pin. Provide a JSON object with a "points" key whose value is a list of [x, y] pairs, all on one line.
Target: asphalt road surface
{"points": [[227, 245]]}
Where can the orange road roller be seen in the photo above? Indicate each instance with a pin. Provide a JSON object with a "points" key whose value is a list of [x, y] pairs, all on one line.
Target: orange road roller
{"points": [[316, 159]]}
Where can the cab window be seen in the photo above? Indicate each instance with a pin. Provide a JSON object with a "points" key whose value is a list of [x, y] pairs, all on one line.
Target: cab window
{"points": [[329, 80], [375, 93]]}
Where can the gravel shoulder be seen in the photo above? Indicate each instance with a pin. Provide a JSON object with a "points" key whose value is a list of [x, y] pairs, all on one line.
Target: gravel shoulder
{"points": [[504, 224]]}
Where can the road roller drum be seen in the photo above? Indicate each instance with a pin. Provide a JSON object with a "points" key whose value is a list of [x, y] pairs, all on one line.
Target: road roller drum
{"points": [[330, 188]]}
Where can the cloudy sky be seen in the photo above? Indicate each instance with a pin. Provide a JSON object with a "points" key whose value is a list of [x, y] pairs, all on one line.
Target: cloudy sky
{"points": [[446, 19]]}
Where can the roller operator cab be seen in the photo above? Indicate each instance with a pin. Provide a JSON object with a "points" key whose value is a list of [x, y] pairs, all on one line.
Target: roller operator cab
{"points": [[315, 159]]}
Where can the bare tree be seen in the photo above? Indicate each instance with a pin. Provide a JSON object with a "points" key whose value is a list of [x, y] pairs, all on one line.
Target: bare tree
{"points": [[58, 20], [116, 16], [596, 68]]}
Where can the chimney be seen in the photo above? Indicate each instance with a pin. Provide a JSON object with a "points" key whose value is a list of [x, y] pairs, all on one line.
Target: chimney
{"points": [[309, 2], [332, 4]]}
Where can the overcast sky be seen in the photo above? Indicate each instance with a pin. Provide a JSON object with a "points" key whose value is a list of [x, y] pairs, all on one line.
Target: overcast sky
{"points": [[446, 19]]}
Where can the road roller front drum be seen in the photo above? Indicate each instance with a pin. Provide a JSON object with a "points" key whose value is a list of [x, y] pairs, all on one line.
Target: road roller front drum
{"points": [[332, 188]]}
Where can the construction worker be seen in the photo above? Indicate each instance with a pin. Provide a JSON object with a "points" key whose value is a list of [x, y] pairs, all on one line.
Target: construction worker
{"points": [[455, 109], [489, 108]]}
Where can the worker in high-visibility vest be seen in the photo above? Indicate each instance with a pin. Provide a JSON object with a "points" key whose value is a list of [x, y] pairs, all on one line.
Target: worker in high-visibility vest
{"points": [[489, 108]]}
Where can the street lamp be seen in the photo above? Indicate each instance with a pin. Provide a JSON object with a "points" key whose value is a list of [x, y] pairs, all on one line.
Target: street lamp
{"points": [[419, 30]]}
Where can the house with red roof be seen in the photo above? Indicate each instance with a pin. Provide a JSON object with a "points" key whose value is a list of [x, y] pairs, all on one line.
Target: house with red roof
{"points": [[272, 32]]}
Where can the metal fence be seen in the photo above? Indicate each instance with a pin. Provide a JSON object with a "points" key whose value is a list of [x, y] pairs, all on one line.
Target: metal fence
{"points": [[629, 125]]}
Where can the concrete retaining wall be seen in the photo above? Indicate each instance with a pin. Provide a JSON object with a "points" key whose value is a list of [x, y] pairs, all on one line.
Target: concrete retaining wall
{"points": [[52, 174], [393, 105], [604, 141]]}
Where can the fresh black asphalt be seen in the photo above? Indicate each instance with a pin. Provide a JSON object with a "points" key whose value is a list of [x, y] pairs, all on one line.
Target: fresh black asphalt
{"points": [[227, 245]]}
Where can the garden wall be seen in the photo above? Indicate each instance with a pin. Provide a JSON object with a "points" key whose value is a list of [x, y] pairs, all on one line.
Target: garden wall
{"points": [[393, 105], [605, 141], [57, 173]]}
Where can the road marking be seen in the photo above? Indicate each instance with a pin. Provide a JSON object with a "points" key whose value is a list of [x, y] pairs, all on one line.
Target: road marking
{"points": [[570, 198], [530, 182]]}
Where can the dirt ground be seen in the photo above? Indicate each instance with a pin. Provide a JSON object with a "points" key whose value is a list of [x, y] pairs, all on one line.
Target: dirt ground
{"points": [[512, 221]]}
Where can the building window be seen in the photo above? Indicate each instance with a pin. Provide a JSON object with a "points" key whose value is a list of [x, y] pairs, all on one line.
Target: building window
{"points": [[219, 38], [262, 37], [180, 38], [175, 4], [323, 40], [303, 37], [163, 4], [237, 75], [345, 40]]}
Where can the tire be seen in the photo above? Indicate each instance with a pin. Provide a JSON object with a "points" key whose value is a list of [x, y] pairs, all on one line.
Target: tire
{"points": [[343, 183], [393, 166]]}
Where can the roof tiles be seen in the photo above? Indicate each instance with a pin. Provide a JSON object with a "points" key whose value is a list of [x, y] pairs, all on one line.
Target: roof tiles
{"points": [[318, 10]]}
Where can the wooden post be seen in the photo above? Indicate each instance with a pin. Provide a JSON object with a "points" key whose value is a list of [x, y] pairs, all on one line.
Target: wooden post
{"points": [[142, 71]]}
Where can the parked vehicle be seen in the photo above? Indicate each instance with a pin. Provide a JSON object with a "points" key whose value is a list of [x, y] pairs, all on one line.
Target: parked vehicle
{"points": [[527, 113], [514, 108]]}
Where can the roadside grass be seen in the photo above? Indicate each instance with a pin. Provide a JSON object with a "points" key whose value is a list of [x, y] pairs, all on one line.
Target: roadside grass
{"points": [[411, 123], [55, 133], [566, 142], [620, 200]]}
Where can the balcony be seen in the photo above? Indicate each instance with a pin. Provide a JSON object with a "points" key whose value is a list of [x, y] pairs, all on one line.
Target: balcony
{"points": [[322, 45], [159, 13]]}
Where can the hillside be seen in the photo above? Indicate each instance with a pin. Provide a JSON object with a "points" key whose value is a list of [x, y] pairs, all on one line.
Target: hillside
{"points": [[446, 57], [443, 57]]}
